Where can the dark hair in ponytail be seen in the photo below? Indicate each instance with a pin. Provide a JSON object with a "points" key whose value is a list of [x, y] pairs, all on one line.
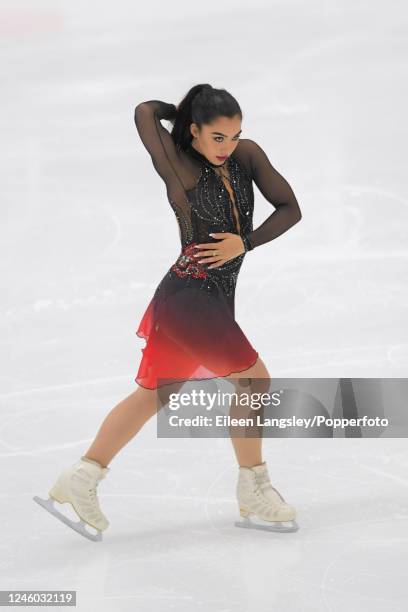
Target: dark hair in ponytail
{"points": [[202, 104]]}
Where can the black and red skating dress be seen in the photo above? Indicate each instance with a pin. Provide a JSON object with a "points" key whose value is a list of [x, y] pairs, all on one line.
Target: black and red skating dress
{"points": [[189, 324]]}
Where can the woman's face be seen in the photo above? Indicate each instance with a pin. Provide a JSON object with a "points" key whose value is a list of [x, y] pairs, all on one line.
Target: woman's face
{"points": [[217, 139]]}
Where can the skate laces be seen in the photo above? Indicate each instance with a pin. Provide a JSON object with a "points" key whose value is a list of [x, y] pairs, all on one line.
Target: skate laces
{"points": [[256, 486], [79, 475], [262, 478], [92, 492], [92, 496], [264, 483]]}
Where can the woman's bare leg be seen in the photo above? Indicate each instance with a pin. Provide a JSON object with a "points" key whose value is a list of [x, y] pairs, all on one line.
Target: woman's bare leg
{"points": [[248, 449], [124, 421]]}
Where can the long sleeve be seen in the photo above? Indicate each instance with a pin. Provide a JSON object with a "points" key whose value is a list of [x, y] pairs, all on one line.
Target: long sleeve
{"points": [[278, 192], [158, 141]]}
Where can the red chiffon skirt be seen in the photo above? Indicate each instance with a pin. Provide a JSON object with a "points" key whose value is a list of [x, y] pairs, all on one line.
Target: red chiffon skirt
{"points": [[191, 334]]}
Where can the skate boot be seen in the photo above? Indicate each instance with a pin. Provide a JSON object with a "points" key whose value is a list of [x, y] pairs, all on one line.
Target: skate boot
{"points": [[256, 496], [77, 486]]}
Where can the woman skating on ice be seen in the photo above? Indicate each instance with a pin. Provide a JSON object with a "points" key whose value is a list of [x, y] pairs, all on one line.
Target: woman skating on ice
{"points": [[189, 324]]}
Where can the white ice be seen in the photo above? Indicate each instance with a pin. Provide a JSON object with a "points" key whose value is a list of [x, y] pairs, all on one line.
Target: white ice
{"points": [[86, 235]]}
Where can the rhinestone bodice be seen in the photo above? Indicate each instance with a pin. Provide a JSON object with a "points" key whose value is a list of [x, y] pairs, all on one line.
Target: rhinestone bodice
{"points": [[209, 209]]}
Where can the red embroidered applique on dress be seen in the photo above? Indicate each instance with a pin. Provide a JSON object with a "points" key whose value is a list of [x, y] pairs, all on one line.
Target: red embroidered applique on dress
{"points": [[187, 264]]}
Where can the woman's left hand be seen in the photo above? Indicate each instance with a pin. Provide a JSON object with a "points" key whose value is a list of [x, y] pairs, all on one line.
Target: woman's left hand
{"points": [[230, 246]]}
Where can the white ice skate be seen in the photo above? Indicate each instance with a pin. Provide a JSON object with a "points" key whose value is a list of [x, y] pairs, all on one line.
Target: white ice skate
{"points": [[77, 486], [256, 496]]}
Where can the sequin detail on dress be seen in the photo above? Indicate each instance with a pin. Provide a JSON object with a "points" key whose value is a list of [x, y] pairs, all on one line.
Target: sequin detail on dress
{"points": [[187, 264], [210, 210]]}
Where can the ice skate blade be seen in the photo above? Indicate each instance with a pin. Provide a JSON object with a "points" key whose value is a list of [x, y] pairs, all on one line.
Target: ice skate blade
{"points": [[277, 526], [79, 526]]}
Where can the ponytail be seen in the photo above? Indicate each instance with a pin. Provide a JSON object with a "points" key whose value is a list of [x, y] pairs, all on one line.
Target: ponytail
{"points": [[202, 104]]}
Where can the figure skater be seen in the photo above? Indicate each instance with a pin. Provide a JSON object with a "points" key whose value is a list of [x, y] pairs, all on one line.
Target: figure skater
{"points": [[189, 325]]}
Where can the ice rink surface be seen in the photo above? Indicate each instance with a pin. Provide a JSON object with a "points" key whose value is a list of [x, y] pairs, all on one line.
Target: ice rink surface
{"points": [[87, 234]]}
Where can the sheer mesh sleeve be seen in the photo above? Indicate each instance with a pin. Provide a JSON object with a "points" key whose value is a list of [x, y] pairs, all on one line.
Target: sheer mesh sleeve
{"points": [[159, 143], [277, 191]]}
